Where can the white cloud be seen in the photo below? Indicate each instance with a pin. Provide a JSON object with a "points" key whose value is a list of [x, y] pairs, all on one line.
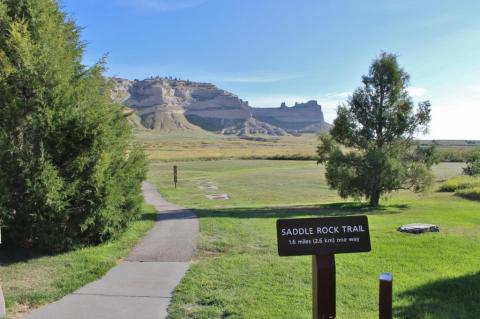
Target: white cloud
{"points": [[474, 89], [276, 100], [262, 78], [456, 117], [338, 95], [416, 92], [160, 5]]}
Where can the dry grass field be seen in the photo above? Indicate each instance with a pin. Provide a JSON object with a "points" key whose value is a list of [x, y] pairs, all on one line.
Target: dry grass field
{"points": [[202, 145], [184, 145]]}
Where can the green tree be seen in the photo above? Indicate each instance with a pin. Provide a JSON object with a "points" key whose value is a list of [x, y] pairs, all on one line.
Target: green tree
{"points": [[69, 174], [473, 164], [371, 148]]}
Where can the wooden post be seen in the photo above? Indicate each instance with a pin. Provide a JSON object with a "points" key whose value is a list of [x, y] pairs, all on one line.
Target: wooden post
{"points": [[175, 175], [324, 288], [385, 298]]}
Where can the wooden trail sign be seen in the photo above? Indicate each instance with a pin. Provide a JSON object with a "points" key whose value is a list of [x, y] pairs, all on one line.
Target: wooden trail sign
{"points": [[322, 238]]}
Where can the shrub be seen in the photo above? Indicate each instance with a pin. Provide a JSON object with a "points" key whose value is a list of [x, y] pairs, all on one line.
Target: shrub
{"points": [[470, 193], [473, 164], [460, 182], [69, 176]]}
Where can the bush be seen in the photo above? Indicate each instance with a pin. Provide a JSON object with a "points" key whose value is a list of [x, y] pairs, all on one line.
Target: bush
{"points": [[473, 164], [470, 193], [69, 176], [460, 182]]}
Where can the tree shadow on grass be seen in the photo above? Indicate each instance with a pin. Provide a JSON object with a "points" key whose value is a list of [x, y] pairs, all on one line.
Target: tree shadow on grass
{"points": [[457, 298], [320, 210], [11, 254]]}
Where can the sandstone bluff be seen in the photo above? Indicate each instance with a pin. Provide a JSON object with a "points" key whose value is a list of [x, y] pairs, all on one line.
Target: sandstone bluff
{"points": [[169, 104]]}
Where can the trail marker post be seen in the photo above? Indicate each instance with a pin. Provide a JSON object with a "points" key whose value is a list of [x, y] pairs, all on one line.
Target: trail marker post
{"points": [[175, 178], [323, 238], [385, 296]]}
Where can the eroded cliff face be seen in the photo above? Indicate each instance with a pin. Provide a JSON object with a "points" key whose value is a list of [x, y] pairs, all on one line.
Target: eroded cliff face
{"points": [[302, 117], [167, 104], [171, 104]]}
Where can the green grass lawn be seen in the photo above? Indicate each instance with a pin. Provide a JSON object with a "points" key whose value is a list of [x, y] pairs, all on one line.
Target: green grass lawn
{"points": [[30, 279], [237, 273]]}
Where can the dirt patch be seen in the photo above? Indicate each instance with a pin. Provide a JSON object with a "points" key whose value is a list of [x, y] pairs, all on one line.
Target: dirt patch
{"points": [[20, 310], [205, 187], [218, 197]]}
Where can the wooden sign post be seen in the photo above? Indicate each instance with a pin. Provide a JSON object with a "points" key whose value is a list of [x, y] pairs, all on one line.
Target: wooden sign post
{"points": [[323, 238], [323, 286], [175, 179], [385, 296]]}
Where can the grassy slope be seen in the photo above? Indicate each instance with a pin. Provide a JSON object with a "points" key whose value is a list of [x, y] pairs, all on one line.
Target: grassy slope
{"points": [[237, 273], [29, 280]]}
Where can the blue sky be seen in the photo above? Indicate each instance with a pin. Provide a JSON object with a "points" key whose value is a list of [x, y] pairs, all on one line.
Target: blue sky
{"points": [[269, 51]]}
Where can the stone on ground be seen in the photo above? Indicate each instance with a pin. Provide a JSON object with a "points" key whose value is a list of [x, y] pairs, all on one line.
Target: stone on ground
{"points": [[419, 228]]}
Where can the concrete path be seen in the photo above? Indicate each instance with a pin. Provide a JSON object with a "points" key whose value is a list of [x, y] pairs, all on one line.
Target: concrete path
{"points": [[2, 305], [140, 287]]}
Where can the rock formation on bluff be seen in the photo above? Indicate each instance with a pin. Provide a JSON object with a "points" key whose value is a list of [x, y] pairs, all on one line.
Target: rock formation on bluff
{"points": [[169, 104], [303, 117]]}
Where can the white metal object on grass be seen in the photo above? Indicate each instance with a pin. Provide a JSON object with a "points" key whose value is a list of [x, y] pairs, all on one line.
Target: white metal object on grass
{"points": [[386, 276]]}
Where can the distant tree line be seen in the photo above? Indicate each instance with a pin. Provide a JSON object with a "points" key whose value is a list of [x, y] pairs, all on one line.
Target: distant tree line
{"points": [[69, 174], [455, 155]]}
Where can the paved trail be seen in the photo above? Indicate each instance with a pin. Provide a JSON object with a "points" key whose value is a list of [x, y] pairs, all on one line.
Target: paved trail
{"points": [[140, 287]]}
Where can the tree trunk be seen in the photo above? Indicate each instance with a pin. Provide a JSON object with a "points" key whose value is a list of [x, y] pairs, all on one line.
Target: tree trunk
{"points": [[374, 198]]}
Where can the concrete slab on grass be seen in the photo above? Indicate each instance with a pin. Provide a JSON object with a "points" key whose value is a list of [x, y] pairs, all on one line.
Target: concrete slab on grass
{"points": [[212, 187], [218, 197], [419, 228]]}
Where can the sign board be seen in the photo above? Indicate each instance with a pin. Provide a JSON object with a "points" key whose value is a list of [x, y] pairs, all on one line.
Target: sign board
{"points": [[323, 236]]}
